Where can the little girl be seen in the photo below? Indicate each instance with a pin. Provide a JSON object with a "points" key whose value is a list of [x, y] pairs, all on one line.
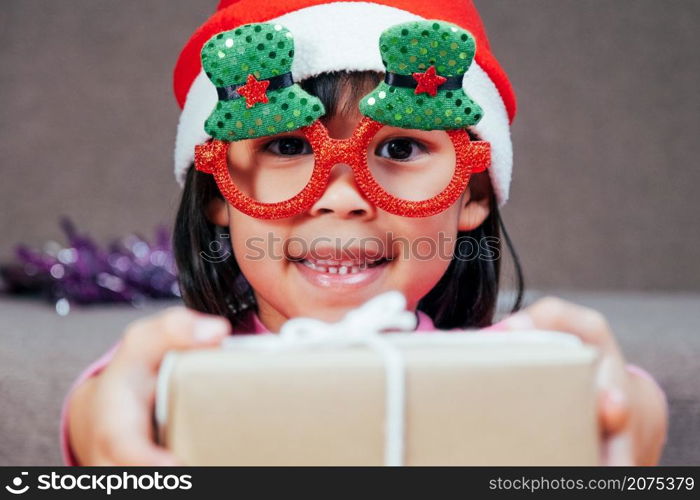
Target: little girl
{"points": [[328, 152]]}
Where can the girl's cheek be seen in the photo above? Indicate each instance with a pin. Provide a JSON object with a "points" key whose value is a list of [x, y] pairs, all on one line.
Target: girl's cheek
{"points": [[415, 276], [258, 250], [430, 238], [427, 247]]}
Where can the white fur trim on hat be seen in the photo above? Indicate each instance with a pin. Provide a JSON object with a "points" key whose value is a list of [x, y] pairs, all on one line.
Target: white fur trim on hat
{"points": [[345, 36]]}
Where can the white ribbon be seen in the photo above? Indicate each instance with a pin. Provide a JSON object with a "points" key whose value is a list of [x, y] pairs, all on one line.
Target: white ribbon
{"points": [[361, 326]]}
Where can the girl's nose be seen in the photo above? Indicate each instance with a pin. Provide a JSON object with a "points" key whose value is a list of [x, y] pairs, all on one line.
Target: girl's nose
{"points": [[343, 197]]}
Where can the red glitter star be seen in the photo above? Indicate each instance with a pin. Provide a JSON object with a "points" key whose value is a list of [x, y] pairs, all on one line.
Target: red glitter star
{"points": [[254, 91], [428, 81]]}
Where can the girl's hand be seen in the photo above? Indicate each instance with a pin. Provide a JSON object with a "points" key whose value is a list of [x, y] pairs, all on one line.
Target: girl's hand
{"points": [[110, 415], [632, 410]]}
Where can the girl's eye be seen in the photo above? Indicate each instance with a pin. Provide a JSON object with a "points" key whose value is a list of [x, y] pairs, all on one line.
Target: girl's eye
{"points": [[288, 146], [401, 149]]}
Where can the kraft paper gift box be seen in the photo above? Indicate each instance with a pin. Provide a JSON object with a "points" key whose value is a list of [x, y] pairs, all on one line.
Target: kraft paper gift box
{"points": [[470, 399]]}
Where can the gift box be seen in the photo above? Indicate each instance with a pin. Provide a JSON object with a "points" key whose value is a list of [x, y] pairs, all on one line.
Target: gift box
{"points": [[422, 398]]}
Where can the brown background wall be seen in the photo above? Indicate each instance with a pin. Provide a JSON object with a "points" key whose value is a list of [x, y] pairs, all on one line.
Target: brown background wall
{"points": [[606, 139]]}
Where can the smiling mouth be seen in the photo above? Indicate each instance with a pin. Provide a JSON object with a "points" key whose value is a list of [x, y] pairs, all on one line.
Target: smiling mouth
{"points": [[342, 267]]}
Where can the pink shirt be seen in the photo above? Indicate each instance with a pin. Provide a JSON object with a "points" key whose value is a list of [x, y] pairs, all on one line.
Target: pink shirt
{"points": [[253, 325]]}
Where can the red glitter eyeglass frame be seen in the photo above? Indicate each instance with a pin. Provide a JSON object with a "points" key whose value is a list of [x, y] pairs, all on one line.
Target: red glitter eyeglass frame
{"points": [[471, 157]]}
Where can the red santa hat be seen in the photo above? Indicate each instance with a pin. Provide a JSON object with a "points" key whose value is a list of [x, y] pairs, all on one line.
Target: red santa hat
{"points": [[335, 36]]}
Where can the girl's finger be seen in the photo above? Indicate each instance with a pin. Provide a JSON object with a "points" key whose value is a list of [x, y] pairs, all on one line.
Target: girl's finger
{"points": [[617, 450], [125, 434], [613, 412], [148, 340], [551, 313], [135, 451]]}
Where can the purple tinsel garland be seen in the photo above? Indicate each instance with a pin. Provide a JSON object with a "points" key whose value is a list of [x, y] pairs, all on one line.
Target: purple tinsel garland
{"points": [[129, 270]]}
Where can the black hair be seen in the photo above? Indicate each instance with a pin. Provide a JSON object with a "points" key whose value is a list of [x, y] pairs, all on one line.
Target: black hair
{"points": [[465, 297]]}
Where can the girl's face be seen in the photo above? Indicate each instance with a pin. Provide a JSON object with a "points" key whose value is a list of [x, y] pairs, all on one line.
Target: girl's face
{"points": [[344, 250]]}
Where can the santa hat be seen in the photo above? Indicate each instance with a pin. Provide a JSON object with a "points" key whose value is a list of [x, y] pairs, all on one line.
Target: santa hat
{"points": [[335, 36]]}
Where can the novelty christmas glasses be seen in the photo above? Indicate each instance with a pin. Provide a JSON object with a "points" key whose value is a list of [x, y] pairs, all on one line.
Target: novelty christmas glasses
{"points": [[410, 154]]}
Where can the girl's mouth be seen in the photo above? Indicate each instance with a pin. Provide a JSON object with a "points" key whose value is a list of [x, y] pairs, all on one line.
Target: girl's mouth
{"points": [[344, 272], [342, 267]]}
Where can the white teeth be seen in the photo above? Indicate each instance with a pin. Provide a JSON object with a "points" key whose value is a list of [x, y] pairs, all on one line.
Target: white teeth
{"points": [[347, 267], [313, 266]]}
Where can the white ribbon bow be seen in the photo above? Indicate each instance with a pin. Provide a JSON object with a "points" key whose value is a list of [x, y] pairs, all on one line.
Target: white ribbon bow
{"points": [[383, 312], [361, 326]]}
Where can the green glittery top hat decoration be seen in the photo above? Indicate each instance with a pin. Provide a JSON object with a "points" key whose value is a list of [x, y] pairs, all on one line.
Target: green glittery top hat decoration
{"points": [[425, 63], [251, 69]]}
